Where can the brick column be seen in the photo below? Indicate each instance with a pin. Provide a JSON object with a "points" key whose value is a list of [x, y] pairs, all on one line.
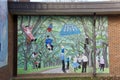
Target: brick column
{"points": [[114, 44]]}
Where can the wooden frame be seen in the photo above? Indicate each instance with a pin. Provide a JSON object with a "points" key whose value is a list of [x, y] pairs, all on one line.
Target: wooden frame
{"points": [[84, 8]]}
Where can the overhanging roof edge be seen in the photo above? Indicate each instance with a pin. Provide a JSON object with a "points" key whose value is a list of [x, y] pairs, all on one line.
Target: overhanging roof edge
{"points": [[66, 8]]}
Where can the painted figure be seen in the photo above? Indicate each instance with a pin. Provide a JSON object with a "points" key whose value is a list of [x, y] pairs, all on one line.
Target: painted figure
{"points": [[75, 64], [28, 32], [68, 62], [49, 29], [79, 58], [62, 56], [102, 63], [84, 63], [34, 56], [48, 43]]}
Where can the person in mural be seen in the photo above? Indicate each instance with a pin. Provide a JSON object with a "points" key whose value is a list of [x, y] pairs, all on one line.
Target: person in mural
{"points": [[68, 62], [75, 64], [48, 43], [79, 58], [84, 63], [62, 56], [97, 62], [28, 32], [102, 63], [49, 29], [34, 56]]}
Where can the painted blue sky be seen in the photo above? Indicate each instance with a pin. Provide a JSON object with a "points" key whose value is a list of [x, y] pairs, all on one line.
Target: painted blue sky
{"points": [[3, 33]]}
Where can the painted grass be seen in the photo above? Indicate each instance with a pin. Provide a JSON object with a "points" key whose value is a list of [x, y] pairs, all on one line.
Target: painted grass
{"points": [[31, 70], [90, 70]]}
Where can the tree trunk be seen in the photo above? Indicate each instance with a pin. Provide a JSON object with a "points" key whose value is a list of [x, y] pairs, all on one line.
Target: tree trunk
{"points": [[25, 61], [25, 64], [105, 55], [94, 45], [90, 60], [33, 65]]}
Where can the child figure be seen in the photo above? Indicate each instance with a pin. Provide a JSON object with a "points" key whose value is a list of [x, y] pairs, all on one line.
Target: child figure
{"points": [[49, 45], [34, 57], [75, 64], [102, 63], [28, 33], [49, 29], [68, 62]]}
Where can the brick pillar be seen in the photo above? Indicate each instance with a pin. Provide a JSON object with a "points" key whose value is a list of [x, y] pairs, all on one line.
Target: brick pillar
{"points": [[114, 44]]}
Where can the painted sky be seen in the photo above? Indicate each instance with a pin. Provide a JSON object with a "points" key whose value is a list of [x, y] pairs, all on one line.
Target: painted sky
{"points": [[3, 33]]}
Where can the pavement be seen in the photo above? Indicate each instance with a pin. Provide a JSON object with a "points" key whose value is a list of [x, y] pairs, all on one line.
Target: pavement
{"points": [[56, 70]]}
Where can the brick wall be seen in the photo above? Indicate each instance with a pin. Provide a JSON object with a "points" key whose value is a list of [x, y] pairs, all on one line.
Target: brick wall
{"points": [[6, 72], [114, 44], [113, 39]]}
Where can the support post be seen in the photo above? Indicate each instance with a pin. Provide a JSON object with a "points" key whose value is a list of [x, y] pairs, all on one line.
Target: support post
{"points": [[94, 45]]}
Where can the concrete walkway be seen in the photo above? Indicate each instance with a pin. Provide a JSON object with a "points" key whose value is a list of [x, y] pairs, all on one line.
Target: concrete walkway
{"points": [[56, 70]]}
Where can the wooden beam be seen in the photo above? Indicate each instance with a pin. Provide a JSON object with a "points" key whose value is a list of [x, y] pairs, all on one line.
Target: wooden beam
{"points": [[87, 8]]}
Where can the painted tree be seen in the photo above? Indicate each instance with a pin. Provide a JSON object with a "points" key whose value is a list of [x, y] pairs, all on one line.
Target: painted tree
{"points": [[27, 46]]}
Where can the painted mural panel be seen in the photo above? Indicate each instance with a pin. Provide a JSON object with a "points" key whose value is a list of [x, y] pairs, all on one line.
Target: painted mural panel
{"points": [[62, 44], [3, 33]]}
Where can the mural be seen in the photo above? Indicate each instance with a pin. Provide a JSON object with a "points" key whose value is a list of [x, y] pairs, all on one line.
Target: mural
{"points": [[62, 44], [3, 33]]}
